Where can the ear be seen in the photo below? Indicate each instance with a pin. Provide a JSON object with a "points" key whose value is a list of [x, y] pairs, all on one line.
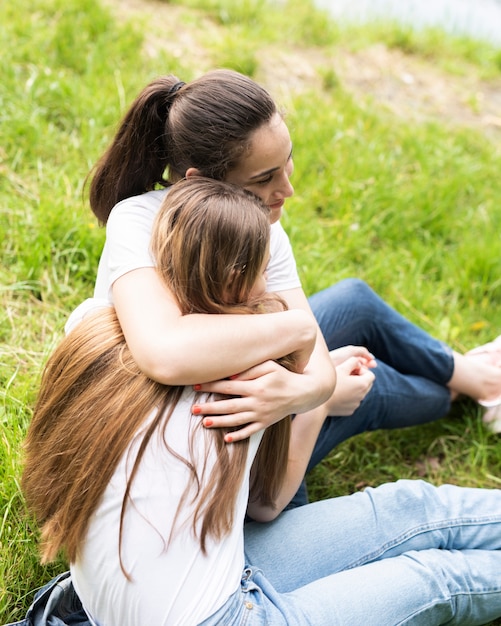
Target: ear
{"points": [[192, 171]]}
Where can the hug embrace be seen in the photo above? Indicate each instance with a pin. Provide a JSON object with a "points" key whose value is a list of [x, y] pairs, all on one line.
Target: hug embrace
{"points": [[162, 457]]}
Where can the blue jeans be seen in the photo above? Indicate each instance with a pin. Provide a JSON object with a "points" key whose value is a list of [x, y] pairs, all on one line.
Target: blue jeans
{"points": [[412, 367], [403, 553], [55, 604]]}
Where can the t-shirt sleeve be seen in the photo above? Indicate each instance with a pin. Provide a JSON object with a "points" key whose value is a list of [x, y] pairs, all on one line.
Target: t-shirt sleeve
{"points": [[282, 270], [128, 237]]}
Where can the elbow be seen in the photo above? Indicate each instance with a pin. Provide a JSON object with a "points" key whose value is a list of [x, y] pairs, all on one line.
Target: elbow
{"points": [[271, 515], [171, 374], [160, 364], [159, 372], [263, 514]]}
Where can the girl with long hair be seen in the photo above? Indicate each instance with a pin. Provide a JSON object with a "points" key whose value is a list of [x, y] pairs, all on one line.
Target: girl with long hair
{"points": [[102, 431], [149, 506]]}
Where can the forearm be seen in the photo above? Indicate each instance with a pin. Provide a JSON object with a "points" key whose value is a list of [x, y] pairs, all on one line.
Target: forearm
{"points": [[304, 433], [267, 393], [319, 377], [182, 350], [316, 385], [202, 348]]}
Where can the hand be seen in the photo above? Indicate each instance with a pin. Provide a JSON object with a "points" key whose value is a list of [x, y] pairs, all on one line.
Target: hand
{"points": [[340, 355], [354, 381], [256, 398]]}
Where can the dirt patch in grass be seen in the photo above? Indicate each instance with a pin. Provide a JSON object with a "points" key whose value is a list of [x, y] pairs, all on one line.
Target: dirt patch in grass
{"points": [[408, 85]]}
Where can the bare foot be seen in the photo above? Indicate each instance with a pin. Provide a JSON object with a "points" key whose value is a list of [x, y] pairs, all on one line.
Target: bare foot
{"points": [[477, 375], [489, 352]]}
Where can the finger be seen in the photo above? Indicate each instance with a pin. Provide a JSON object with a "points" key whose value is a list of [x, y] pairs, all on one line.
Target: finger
{"points": [[247, 428], [224, 387], [352, 366], [239, 384], [262, 369], [368, 375], [229, 421], [242, 433], [360, 351], [235, 411]]}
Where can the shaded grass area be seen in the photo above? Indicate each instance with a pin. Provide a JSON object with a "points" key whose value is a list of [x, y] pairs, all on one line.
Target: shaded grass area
{"points": [[414, 209]]}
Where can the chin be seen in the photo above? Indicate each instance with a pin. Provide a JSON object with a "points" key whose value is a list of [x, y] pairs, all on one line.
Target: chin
{"points": [[275, 215]]}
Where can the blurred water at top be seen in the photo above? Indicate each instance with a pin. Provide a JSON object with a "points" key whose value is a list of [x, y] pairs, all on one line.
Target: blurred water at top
{"points": [[480, 19]]}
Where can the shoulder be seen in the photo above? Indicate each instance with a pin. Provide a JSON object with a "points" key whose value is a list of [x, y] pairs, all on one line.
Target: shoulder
{"points": [[137, 210], [278, 236], [279, 240]]}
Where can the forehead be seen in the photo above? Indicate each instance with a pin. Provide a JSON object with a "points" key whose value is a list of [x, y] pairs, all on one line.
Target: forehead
{"points": [[269, 148]]}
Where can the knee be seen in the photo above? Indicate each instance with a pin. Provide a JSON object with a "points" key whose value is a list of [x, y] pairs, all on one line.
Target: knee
{"points": [[354, 289], [348, 312], [349, 296], [355, 294]]}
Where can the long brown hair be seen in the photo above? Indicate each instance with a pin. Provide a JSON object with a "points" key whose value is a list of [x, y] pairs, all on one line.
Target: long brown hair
{"points": [[209, 243], [171, 126]]}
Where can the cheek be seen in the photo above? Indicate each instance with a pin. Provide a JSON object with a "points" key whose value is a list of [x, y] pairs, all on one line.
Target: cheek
{"points": [[261, 194]]}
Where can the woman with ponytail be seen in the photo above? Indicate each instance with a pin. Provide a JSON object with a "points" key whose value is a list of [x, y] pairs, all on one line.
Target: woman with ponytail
{"points": [[224, 126]]}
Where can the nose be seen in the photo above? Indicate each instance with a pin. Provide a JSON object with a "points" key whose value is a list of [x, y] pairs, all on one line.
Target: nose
{"points": [[285, 188], [289, 189]]}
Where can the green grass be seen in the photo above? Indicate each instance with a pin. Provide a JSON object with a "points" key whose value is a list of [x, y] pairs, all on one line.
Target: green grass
{"points": [[412, 208]]}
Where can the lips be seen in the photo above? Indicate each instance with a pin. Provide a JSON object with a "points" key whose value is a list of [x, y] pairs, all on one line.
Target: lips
{"points": [[276, 205]]}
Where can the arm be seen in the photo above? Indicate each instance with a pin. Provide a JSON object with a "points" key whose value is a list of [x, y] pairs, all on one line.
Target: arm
{"points": [[319, 377], [267, 393], [304, 432], [179, 350]]}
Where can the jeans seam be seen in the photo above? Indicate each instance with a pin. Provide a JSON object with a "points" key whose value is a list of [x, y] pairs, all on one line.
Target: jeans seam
{"points": [[442, 525]]}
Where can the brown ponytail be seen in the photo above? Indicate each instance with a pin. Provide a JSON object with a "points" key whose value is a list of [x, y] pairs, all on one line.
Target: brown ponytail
{"points": [[136, 160]]}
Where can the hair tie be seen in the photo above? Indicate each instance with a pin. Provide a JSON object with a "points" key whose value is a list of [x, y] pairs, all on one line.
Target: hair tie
{"points": [[175, 88]]}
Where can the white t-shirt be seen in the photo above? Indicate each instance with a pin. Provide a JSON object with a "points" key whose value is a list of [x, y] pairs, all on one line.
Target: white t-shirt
{"points": [[175, 584], [127, 247]]}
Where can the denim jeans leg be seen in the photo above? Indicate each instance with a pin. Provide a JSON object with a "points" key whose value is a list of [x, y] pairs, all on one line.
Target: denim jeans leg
{"points": [[395, 401], [326, 537], [417, 588], [350, 312]]}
